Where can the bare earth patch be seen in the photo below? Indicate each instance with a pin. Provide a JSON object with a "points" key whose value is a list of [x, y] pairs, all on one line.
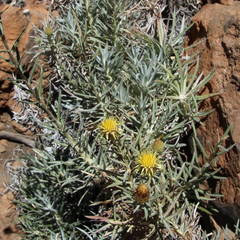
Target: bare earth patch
{"points": [[8, 212]]}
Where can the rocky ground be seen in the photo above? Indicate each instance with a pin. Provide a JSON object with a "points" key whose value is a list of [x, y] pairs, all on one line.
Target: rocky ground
{"points": [[217, 29], [8, 213], [15, 22], [216, 33]]}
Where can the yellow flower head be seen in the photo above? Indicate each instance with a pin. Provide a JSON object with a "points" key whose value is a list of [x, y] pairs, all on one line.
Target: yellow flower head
{"points": [[109, 127], [142, 193], [147, 162]]}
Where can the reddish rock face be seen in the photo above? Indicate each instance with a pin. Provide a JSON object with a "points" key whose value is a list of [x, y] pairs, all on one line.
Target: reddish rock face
{"points": [[18, 24], [217, 31]]}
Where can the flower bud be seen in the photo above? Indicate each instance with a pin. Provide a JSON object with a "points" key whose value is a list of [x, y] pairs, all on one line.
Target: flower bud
{"points": [[48, 31], [142, 193], [158, 145]]}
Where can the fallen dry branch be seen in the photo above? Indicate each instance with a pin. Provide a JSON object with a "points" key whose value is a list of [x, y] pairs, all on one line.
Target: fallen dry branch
{"points": [[17, 138]]}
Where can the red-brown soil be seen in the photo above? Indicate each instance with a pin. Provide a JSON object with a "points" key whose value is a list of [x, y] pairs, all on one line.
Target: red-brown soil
{"points": [[18, 24], [8, 213]]}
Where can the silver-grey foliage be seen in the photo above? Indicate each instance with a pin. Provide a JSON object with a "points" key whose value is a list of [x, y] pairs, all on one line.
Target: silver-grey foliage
{"points": [[117, 61]]}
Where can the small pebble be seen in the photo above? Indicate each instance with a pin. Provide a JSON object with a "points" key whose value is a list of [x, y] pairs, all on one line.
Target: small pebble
{"points": [[26, 12]]}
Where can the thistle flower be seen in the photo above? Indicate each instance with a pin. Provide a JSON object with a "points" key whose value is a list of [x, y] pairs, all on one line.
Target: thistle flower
{"points": [[147, 161], [142, 193], [110, 127]]}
